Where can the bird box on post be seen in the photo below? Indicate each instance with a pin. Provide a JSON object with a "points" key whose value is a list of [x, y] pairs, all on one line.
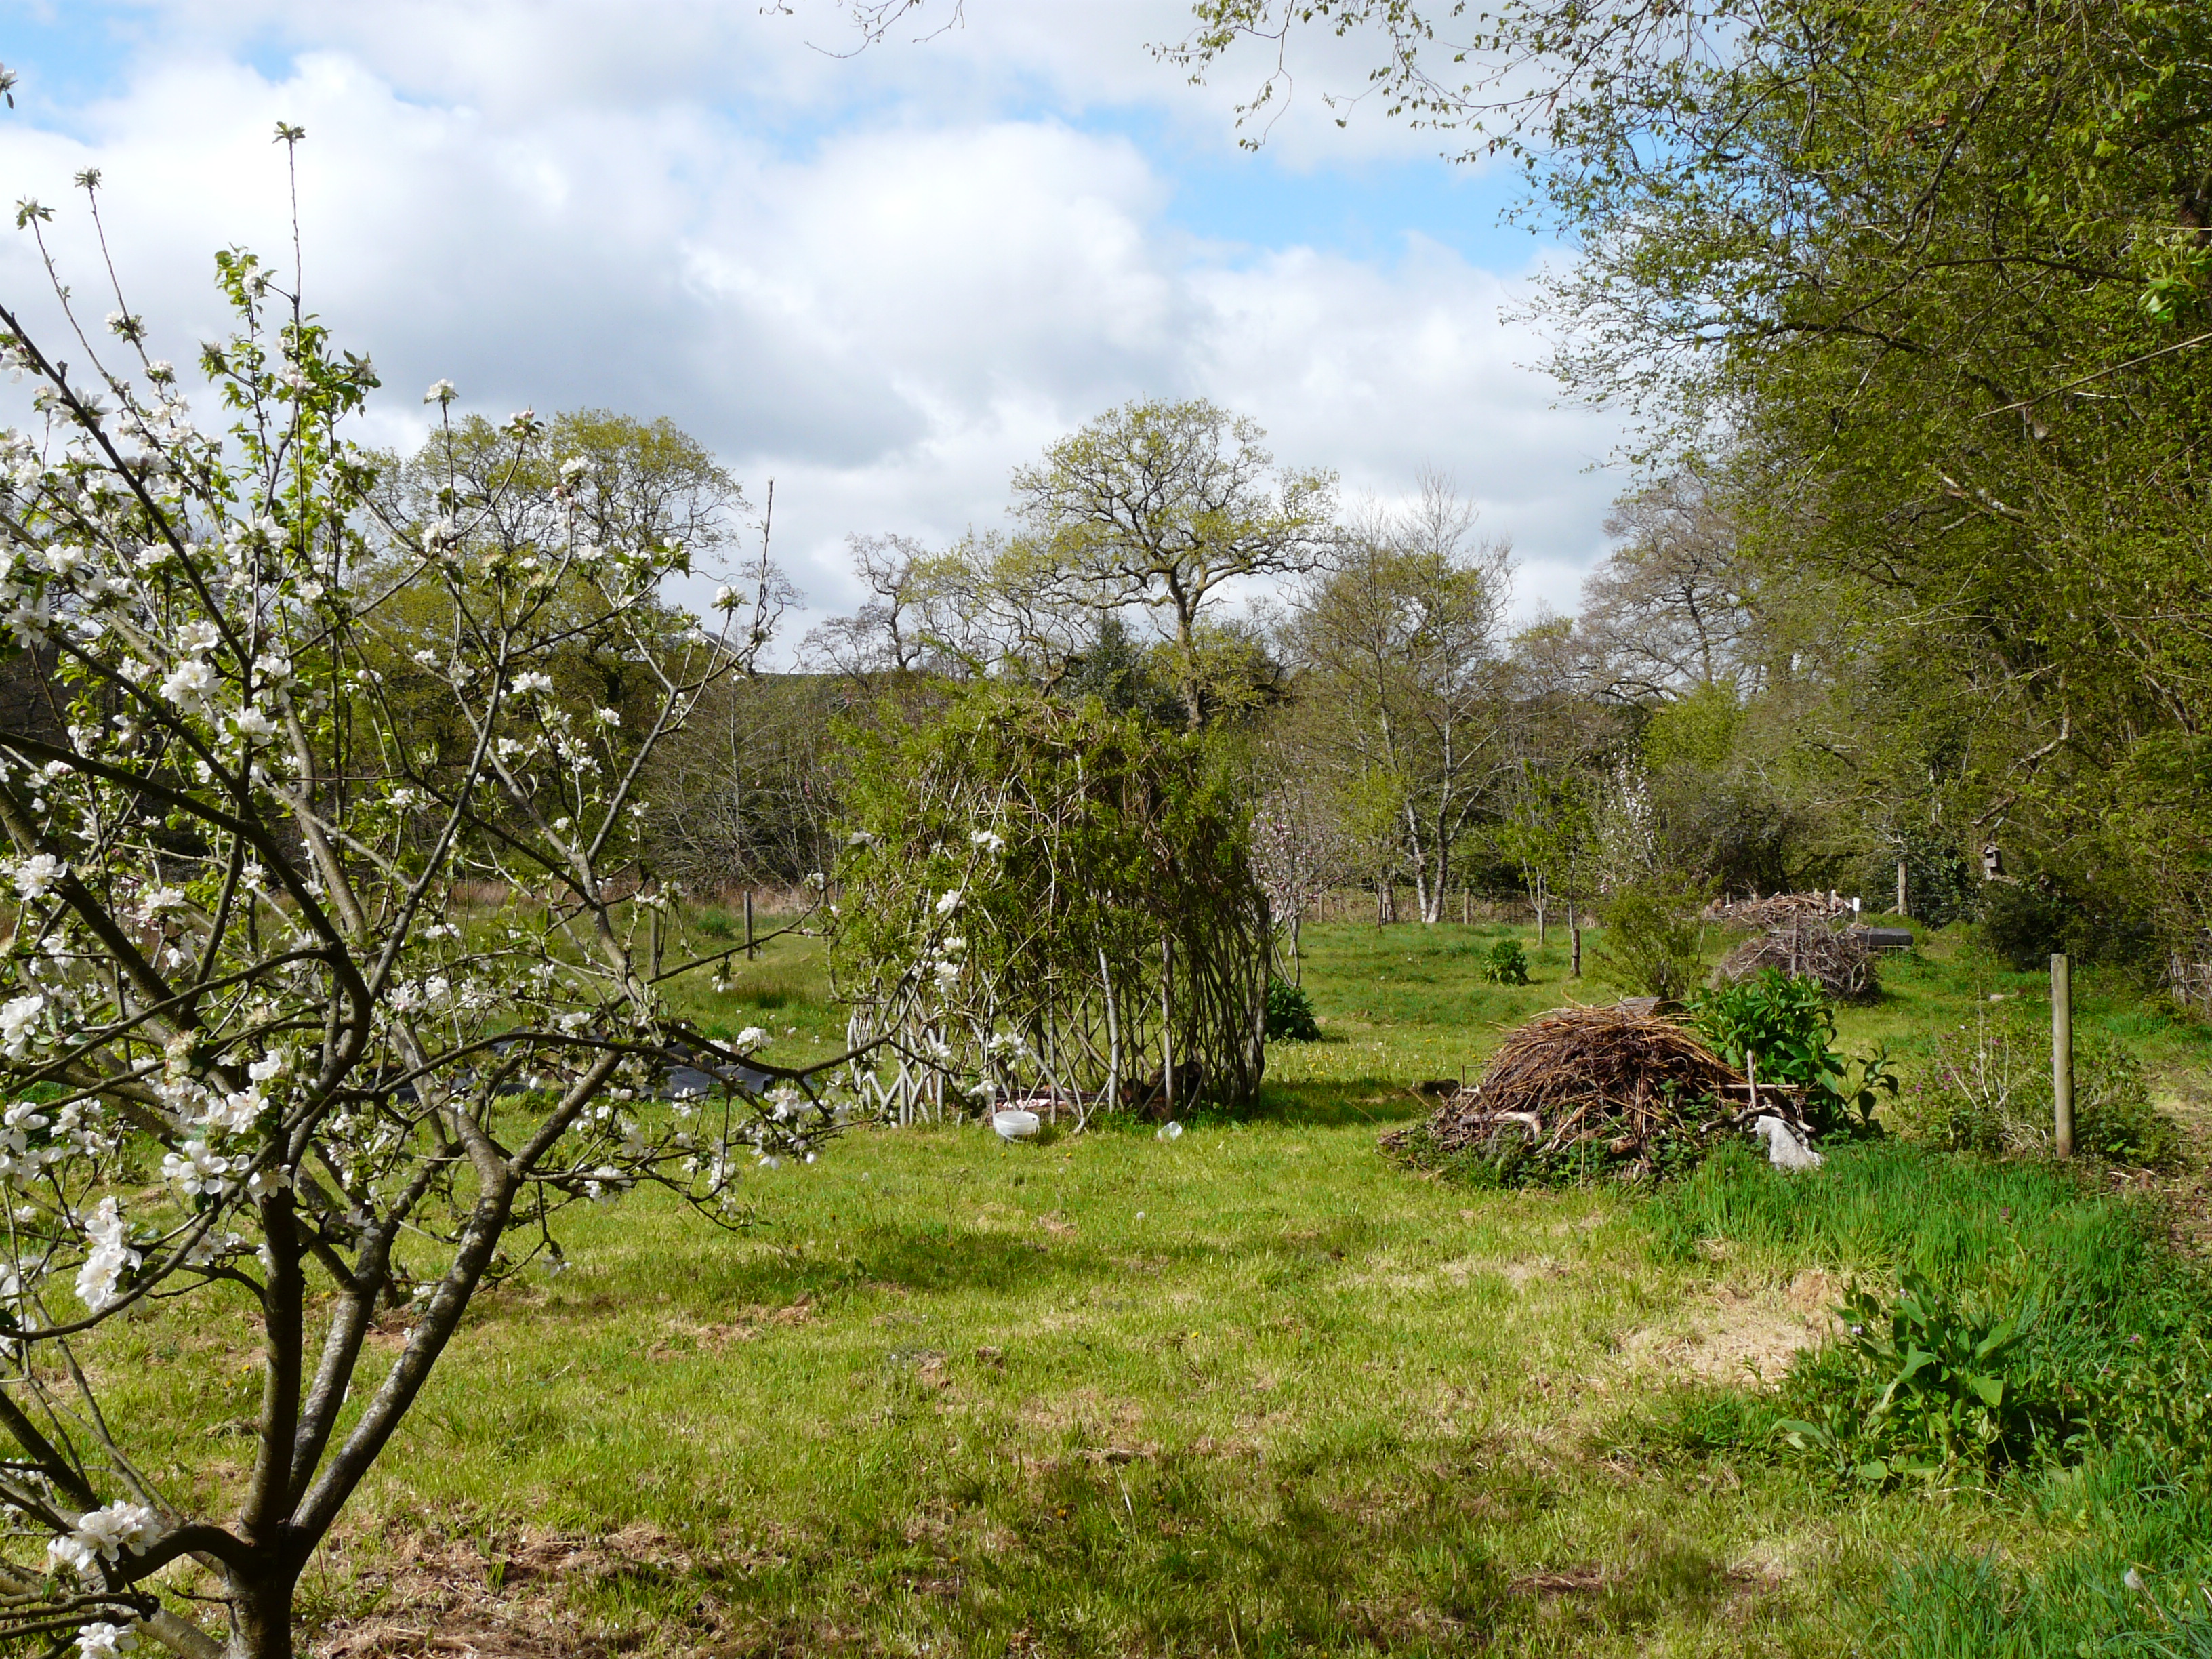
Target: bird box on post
{"points": [[1993, 863]]}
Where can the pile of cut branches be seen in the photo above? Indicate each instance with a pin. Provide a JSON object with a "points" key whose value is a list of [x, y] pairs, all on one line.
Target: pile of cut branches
{"points": [[1840, 961], [1778, 910], [1583, 1091]]}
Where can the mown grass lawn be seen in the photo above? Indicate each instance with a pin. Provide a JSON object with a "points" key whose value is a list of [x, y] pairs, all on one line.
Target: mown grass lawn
{"points": [[1254, 1390]]}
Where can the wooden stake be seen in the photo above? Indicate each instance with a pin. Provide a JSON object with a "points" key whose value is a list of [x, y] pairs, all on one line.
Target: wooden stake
{"points": [[1901, 910], [1167, 1021], [1113, 1044], [749, 924], [2061, 1054]]}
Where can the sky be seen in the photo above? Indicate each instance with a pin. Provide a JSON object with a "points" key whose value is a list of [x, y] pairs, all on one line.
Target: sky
{"points": [[882, 279]]}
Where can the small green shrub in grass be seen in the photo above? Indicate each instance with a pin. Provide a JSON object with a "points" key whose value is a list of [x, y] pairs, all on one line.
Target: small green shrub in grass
{"points": [[1507, 963], [1787, 1027], [1652, 941], [1930, 1386], [1290, 1014]]}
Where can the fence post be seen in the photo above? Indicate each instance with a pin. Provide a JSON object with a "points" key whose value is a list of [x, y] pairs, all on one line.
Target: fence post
{"points": [[2061, 1054], [749, 924], [1901, 910], [1167, 1022]]}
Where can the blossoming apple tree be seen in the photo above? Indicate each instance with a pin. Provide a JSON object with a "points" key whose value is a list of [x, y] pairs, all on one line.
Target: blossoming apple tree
{"points": [[304, 1013]]}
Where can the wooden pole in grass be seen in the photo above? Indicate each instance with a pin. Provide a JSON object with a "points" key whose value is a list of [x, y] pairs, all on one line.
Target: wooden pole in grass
{"points": [[2061, 1054], [749, 924], [1167, 1023]]}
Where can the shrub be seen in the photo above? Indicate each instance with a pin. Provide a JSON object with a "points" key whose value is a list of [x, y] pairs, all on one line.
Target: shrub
{"points": [[1790, 1027], [1507, 963], [1930, 1387], [1987, 1089], [1291, 1013], [2023, 922], [1652, 941]]}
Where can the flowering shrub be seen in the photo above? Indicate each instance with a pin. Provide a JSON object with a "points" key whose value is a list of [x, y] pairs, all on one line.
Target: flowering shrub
{"points": [[365, 999]]}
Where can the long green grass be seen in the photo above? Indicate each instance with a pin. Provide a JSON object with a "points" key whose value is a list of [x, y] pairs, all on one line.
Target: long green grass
{"points": [[1254, 1390]]}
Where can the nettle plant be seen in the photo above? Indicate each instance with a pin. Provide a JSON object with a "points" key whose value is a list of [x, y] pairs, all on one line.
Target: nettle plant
{"points": [[310, 1009]]}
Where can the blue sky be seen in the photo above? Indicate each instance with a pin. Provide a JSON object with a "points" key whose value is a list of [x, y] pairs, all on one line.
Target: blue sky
{"points": [[884, 280]]}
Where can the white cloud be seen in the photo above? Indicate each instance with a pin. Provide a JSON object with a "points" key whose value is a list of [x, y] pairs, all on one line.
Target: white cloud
{"points": [[884, 281]]}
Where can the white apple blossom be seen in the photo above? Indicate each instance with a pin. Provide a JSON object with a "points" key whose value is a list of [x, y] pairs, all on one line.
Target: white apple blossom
{"points": [[110, 1257], [19, 1019], [103, 1534], [196, 1170], [156, 900], [36, 875], [104, 1641], [253, 726], [189, 683]]}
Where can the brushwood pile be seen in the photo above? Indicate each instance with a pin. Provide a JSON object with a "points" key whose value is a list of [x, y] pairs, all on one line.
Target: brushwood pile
{"points": [[1623, 1091]]}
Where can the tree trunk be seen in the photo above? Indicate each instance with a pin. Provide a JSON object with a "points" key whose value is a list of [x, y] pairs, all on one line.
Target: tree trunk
{"points": [[261, 1614]]}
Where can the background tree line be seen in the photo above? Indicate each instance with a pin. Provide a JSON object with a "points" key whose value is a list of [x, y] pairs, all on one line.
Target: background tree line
{"points": [[1911, 299]]}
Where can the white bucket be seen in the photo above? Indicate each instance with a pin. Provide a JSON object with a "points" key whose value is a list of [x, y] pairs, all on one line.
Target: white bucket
{"points": [[1016, 1125]]}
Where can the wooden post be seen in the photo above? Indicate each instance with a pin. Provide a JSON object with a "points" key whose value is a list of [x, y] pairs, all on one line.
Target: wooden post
{"points": [[1575, 934], [1167, 1022], [2061, 1054], [749, 924], [1466, 908], [1113, 1044], [1901, 910], [1543, 936]]}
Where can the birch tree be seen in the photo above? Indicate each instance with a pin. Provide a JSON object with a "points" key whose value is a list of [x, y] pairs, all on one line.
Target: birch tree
{"points": [[1398, 645]]}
